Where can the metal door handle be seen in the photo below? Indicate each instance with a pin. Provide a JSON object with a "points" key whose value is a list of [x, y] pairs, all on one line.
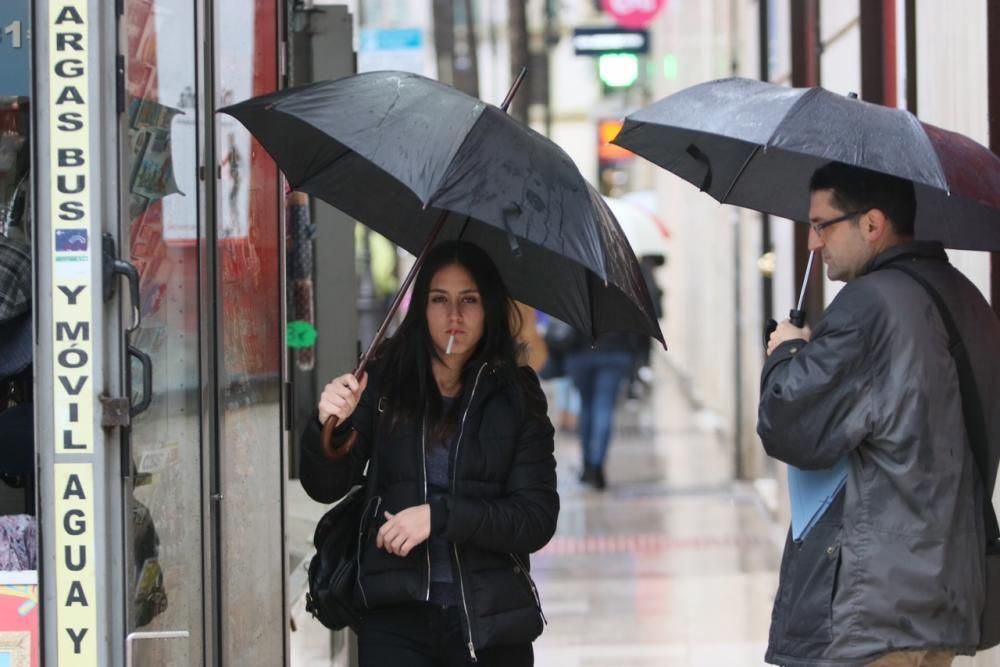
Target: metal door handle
{"points": [[168, 634], [112, 266], [123, 268], [147, 380]]}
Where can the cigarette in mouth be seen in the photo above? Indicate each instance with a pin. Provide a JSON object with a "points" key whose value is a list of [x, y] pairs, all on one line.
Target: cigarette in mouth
{"points": [[451, 341]]}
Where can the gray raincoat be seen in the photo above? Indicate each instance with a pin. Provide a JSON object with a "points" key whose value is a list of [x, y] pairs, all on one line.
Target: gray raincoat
{"points": [[897, 562]]}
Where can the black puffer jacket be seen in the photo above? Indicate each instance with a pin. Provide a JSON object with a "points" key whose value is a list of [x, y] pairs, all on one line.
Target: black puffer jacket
{"points": [[503, 503]]}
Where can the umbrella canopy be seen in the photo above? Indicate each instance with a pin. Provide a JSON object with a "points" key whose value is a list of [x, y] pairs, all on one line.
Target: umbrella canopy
{"points": [[756, 144], [395, 151], [645, 232]]}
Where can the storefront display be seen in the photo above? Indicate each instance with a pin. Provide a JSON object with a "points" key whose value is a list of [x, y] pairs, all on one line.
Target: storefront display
{"points": [[19, 624]]}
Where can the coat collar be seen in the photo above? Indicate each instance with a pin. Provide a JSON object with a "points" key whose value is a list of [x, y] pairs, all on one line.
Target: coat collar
{"points": [[910, 249]]}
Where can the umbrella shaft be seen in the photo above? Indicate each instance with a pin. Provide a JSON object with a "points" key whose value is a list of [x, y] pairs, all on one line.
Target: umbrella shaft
{"points": [[384, 327], [805, 280], [513, 89]]}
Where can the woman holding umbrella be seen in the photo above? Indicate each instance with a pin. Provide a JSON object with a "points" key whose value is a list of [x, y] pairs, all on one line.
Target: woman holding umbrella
{"points": [[462, 449]]}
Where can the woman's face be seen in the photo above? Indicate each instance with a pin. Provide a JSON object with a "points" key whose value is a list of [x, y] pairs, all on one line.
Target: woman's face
{"points": [[454, 306]]}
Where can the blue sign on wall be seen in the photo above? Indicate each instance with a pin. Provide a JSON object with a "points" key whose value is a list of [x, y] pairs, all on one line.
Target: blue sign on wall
{"points": [[15, 49], [392, 39]]}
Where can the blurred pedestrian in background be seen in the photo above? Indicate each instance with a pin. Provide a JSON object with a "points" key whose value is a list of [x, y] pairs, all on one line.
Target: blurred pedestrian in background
{"points": [[642, 374], [534, 351], [598, 372], [560, 338]]}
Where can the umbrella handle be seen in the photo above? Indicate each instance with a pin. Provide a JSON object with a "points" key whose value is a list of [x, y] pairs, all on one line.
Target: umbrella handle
{"points": [[336, 453], [326, 438], [769, 328], [796, 317]]}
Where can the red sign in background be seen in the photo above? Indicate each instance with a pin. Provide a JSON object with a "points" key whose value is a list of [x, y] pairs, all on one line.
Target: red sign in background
{"points": [[633, 13]]}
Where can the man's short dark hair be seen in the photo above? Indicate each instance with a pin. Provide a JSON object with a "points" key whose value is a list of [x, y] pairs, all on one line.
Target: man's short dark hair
{"points": [[855, 188]]}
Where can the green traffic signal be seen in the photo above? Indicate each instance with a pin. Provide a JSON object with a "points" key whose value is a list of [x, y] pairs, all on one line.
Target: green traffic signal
{"points": [[618, 70]]}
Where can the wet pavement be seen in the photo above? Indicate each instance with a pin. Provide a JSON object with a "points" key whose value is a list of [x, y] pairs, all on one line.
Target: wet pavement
{"points": [[673, 564]]}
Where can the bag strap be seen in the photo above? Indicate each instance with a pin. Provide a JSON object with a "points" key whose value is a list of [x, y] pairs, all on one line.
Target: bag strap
{"points": [[972, 407]]}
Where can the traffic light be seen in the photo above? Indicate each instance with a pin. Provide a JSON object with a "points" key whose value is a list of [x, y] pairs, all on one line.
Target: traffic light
{"points": [[618, 70]]}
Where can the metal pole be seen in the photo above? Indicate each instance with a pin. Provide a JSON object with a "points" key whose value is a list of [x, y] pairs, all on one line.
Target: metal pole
{"points": [[444, 39], [739, 469], [993, 85], [764, 72], [518, 37]]}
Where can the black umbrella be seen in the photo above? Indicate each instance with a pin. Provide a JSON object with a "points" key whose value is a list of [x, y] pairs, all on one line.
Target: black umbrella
{"points": [[755, 144], [418, 161]]}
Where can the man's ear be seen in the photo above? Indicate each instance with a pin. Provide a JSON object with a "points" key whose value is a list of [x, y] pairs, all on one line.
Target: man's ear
{"points": [[875, 225]]}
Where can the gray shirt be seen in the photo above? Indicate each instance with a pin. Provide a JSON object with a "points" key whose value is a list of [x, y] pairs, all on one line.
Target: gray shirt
{"points": [[438, 474]]}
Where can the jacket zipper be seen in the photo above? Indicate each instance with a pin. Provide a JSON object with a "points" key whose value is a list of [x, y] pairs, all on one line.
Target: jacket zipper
{"points": [[454, 474], [531, 583], [427, 546], [361, 534], [364, 524]]}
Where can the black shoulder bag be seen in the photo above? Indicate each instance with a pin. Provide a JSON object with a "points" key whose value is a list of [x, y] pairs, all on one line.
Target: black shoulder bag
{"points": [[975, 425], [339, 539]]}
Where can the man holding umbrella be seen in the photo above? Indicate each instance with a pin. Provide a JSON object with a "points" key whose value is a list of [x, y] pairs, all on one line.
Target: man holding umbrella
{"points": [[893, 573], [889, 412]]}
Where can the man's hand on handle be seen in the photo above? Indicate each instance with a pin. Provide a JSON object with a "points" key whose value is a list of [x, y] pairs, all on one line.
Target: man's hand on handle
{"points": [[787, 331]]}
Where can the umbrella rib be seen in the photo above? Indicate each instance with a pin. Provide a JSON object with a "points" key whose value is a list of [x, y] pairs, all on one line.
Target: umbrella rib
{"points": [[695, 152], [736, 178], [806, 97], [327, 165], [481, 109], [465, 225], [933, 151]]}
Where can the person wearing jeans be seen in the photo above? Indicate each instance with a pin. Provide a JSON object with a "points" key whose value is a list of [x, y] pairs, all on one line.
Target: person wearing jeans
{"points": [[598, 372]]}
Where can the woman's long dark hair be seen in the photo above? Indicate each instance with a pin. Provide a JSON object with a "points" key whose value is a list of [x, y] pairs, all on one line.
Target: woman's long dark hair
{"points": [[407, 379]]}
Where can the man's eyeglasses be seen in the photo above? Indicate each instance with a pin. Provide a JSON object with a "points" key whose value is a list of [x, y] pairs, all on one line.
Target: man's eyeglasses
{"points": [[818, 227]]}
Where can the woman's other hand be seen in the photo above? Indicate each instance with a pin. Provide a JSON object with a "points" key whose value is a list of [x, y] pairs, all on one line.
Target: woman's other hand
{"points": [[341, 396], [403, 531]]}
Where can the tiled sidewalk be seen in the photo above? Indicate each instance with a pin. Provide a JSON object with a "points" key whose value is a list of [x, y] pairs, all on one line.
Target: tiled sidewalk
{"points": [[675, 564]]}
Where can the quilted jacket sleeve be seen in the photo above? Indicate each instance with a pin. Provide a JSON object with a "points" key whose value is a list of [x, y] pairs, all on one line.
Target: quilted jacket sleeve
{"points": [[325, 480]]}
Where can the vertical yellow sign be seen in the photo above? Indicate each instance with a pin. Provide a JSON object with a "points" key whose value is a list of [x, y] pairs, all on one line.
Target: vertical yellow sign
{"points": [[74, 243], [76, 581], [73, 238]]}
